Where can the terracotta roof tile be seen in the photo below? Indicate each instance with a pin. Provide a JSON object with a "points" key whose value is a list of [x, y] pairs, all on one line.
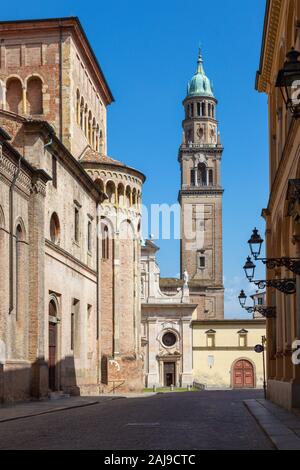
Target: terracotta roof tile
{"points": [[92, 156]]}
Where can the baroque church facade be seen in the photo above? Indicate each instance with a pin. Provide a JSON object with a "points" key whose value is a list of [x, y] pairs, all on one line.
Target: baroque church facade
{"points": [[185, 337]]}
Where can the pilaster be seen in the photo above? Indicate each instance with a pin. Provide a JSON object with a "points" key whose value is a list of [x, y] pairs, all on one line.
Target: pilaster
{"points": [[39, 383]]}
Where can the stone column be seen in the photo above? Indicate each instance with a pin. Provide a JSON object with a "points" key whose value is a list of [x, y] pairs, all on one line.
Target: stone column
{"points": [[86, 127], [152, 373], [218, 172], [116, 196], [4, 97], [196, 176], [187, 353], [24, 99], [38, 316], [90, 132]]}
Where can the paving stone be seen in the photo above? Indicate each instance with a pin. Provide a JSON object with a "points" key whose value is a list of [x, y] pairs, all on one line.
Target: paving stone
{"points": [[210, 420], [282, 427]]}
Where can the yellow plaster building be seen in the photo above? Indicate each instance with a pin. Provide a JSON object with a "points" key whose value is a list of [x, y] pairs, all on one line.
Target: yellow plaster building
{"points": [[223, 353]]}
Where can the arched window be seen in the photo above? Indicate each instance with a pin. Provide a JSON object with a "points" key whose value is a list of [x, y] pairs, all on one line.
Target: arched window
{"points": [[86, 126], [99, 183], [54, 228], [20, 273], [14, 96], [89, 236], [82, 114], [97, 138], [101, 142], [202, 174], [203, 112], [199, 109], [105, 242], [90, 129], [52, 308], [192, 110], [212, 110], [134, 197], [128, 196], [111, 192], [78, 114], [121, 192], [35, 96], [209, 109], [94, 134], [193, 177], [187, 111], [76, 225]]}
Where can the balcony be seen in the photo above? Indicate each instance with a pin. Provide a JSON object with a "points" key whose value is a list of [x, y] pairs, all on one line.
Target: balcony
{"points": [[193, 145]]}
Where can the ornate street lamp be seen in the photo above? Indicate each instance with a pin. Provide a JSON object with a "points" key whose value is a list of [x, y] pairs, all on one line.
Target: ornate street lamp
{"points": [[255, 243], [249, 269], [288, 80], [287, 285], [242, 299], [267, 312]]}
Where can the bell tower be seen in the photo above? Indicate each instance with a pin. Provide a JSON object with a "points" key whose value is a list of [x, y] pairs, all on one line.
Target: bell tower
{"points": [[200, 197]]}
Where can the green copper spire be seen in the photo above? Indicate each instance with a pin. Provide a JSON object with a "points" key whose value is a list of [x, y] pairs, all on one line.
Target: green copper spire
{"points": [[200, 68], [200, 85]]}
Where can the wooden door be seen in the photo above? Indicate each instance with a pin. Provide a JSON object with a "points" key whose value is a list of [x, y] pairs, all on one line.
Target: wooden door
{"points": [[52, 355], [169, 373], [243, 375]]}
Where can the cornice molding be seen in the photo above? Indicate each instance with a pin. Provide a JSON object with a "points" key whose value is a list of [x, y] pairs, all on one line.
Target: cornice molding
{"points": [[8, 169], [272, 18], [223, 348], [202, 192]]}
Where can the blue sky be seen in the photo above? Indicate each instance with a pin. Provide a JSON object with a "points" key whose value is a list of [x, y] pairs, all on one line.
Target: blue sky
{"points": [[148, 52]]}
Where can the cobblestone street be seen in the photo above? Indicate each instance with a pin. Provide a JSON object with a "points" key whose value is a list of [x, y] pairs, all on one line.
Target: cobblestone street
{"points": [[185, 421]]}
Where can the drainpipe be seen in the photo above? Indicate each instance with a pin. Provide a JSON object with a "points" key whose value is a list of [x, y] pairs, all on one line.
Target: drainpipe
{"points": [[60, 88], [11, 237], [98, 273], [98, 225], [97, 297], [48, 143]]}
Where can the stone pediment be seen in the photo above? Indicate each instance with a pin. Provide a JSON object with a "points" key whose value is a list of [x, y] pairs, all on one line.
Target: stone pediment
{"points": [[168, 354]]}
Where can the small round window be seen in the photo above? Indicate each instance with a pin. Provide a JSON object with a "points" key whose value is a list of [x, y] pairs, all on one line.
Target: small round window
{"points": [[169, 339]]}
